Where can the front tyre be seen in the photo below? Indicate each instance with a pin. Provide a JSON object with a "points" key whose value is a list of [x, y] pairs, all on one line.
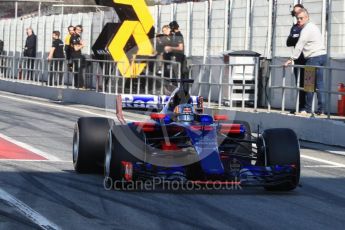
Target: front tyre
{"points": [[282, 148]]}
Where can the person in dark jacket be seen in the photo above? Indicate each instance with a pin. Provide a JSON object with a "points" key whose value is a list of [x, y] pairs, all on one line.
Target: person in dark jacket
{"points": [[1, 47], [76, 45], [177, 43], [163, 40], [291, 41], [56, 52], [176, 48], [30, 51], [2, 71], [30, 43]]}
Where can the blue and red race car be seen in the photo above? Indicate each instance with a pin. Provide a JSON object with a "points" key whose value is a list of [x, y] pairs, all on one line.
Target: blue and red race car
{"points": [[181, 143]]}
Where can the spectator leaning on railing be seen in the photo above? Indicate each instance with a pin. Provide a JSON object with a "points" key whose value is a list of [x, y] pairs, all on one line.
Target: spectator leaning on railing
{"points": [[311, 44], [56, 52], [291, 41]]}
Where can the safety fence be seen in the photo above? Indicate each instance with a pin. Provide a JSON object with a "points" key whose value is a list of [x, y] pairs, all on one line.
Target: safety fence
{"points": [[109, 80], [37, 71], [99, 75], [310, 79], [6, 67], [247, 86], [229, 85]]}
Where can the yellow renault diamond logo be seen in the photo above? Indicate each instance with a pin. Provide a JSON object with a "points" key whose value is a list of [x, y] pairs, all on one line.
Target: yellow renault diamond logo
{"points": [[136, 26]]}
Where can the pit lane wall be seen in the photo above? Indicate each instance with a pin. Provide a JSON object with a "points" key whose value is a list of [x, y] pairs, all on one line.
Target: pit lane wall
{"points": [[330, 132], [61, 95]]}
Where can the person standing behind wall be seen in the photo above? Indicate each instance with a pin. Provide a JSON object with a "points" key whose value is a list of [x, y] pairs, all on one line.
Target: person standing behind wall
{"points": [[30, 50], [1, 47], [311, 44], [177, 45], [291, 41], [76, 45], [164, 40], [2, 71], [67, 45], [56, 52]]}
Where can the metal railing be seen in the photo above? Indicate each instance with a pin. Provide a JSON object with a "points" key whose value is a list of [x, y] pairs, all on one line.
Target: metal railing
{"points": [[29, 69], [109, 80], [219, 84], [327, 78], [232, 83], [6, 66], [100, 75], [57, 72]]}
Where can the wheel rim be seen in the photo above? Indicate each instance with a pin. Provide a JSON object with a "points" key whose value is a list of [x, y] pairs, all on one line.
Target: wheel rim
{"points": [[75, 144], [108, 155], [264, 148]]}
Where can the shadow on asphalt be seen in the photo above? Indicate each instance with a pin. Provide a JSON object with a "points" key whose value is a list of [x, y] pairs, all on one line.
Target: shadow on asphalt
{"points": [[174, 187]]}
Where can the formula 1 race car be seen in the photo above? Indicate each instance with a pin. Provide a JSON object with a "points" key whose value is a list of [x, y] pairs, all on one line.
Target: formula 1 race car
{"points": [[181, 143]]}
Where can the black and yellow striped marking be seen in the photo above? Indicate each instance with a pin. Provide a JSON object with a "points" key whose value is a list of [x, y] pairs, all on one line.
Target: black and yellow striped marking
{"points": [[132, 36]]}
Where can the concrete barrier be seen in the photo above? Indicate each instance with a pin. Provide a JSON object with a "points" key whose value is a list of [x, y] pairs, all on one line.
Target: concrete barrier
{"points": [[65, 95], [330, 132]]}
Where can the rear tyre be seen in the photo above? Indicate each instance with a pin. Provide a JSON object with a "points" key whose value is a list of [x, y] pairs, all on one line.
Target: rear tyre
{"points": [[115, 153], [112, 160], [282, 148], [90, 134]]}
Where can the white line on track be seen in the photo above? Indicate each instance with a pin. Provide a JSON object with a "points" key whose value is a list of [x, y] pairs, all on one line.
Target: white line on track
{"points": [[16, 160], [322, 166], [337, 152], [323, 161], [61, 107], [28, 212], [30, 148]]}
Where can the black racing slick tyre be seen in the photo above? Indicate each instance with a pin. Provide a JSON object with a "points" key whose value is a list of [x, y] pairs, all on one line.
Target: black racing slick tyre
{"points": [[282, 148], [121, 141], [89, 139]]}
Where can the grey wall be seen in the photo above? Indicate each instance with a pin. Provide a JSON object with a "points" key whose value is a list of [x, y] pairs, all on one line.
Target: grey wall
{"points": [[223, 22], [12, 31], [324, 131]]}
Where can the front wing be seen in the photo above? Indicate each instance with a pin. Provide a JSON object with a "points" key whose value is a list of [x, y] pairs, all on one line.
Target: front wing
{"points": [[246, 176]]}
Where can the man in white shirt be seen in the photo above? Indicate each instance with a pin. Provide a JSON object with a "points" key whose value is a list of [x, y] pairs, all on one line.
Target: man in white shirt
{"points": [[311, 44]]}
